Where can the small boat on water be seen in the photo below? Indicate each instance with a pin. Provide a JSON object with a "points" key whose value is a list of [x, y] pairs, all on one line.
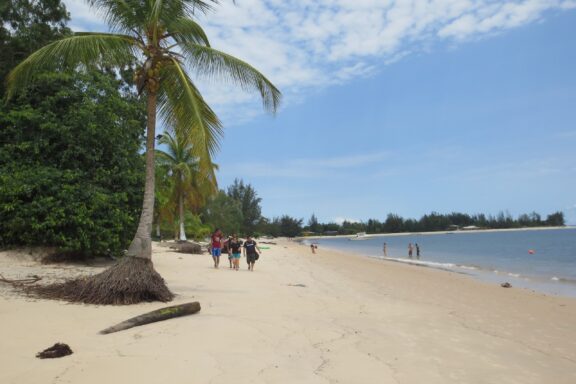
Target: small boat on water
{"points": [[359, 236]]}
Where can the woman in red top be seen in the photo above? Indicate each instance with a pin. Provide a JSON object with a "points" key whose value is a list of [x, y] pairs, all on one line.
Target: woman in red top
{"points": [[216, 246]]}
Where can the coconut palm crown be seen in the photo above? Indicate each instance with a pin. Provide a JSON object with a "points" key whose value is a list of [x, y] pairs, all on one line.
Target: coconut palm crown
{"points": [[164, 40], [191, 184]]}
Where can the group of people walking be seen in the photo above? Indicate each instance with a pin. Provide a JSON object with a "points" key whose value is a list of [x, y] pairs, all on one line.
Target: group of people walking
{"points": [[234, 247]]}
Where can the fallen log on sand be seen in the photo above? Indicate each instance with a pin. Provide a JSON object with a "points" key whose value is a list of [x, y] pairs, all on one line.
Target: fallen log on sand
{"points": [[154, 316]]}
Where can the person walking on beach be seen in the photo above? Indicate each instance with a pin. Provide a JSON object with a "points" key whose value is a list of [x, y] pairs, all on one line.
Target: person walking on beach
{"points": [[216, 242], [226, 248], [417, 251], [250, 251], [410, 249], [313, 248], [385, 250], [234, 251]]}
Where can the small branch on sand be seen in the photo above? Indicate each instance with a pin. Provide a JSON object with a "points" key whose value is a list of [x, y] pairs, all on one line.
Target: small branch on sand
{"points": [[154, 316], [18, 282]]}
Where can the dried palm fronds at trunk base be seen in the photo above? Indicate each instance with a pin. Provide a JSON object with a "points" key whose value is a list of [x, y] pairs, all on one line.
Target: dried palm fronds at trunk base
{"points": [[132, 280]]}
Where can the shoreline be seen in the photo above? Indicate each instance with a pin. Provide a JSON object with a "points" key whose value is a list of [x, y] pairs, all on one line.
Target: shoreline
{"points": [[370, 235], [554, 284], [298, 318]]}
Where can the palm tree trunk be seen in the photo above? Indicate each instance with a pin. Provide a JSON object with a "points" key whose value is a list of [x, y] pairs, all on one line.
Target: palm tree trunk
{"points": [[133, 279], [181, 215], [141, 245]]}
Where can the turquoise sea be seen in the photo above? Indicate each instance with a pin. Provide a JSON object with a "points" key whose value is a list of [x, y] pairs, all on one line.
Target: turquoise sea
{"points": [[541, 260]]}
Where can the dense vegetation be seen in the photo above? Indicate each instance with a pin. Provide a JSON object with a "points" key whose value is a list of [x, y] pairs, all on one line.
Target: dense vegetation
{"points": [[71, 175], [70, 172], [434, 222]]}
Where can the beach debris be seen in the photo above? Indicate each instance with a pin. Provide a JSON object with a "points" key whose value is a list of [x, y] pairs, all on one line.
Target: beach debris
{"points": [[506, 285], [297, 285], [18, 282], [57, 350], [187, 247], [154, 316], [131, 280]]}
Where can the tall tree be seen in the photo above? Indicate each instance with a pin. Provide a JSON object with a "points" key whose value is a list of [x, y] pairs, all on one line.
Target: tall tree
{"points": [[25, 26], [223, 212], [162, 37], [250, 203], [191, 184], [313, 225], [71, 175]]}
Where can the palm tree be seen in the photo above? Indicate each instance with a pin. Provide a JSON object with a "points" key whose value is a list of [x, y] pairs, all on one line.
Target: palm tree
{"points": [[162, 38], [191, 183], [164, 206]]}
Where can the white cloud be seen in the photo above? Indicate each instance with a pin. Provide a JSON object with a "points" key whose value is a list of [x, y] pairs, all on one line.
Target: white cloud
{"points": [[340, 220], [305, 167], [304, 45]]}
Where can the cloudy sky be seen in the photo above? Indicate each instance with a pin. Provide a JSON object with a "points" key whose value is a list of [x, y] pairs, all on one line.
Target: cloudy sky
{"points": [[403, 107]]}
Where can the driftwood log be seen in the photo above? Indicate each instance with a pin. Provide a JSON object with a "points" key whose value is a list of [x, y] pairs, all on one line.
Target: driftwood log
{"points": [[187, 247], [154, 316]]}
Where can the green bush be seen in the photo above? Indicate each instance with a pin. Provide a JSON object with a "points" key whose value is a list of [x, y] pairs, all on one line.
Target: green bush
{"points": [[71, 174]]}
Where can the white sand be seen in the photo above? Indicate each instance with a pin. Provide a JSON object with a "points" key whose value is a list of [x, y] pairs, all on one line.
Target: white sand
{"points": [[356, 320]]}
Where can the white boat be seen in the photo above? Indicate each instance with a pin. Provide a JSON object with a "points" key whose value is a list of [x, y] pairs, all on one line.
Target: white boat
{"points": [[359, 236]]}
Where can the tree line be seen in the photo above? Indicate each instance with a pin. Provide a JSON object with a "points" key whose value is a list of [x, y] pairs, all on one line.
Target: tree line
{"points": [[434, 222]]}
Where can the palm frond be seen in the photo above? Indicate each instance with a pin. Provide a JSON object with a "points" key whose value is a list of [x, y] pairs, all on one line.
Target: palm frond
{"points": [[128, 15], [182, 107], [85, 48], [214, 64], [121, 15], [186, 30]]}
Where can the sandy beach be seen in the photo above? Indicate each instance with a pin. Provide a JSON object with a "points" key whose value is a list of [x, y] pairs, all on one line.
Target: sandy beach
{"points": [[298, 318]]}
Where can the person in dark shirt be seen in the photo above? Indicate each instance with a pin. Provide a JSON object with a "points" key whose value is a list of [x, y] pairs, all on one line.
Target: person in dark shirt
{"points": [[251, 251], [234, 246]]}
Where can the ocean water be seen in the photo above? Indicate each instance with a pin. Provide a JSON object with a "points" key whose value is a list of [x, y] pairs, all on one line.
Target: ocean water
{"points": [[540, 260]]}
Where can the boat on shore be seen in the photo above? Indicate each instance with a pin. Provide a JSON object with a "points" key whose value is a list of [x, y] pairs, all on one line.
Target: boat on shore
{"points": [[359, 236]]}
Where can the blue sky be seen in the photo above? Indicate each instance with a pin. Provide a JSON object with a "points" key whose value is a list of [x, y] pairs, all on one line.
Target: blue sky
{"points": [[403, 107]]}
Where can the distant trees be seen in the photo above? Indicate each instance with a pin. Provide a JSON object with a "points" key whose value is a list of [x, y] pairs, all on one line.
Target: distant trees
{"points": [[555, 219], [249, 201], [434, 221], [313, 225], [224, 212], [190, 184]]}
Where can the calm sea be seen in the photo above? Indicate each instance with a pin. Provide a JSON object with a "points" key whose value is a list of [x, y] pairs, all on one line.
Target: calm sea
{"points": [[541, 260]]}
